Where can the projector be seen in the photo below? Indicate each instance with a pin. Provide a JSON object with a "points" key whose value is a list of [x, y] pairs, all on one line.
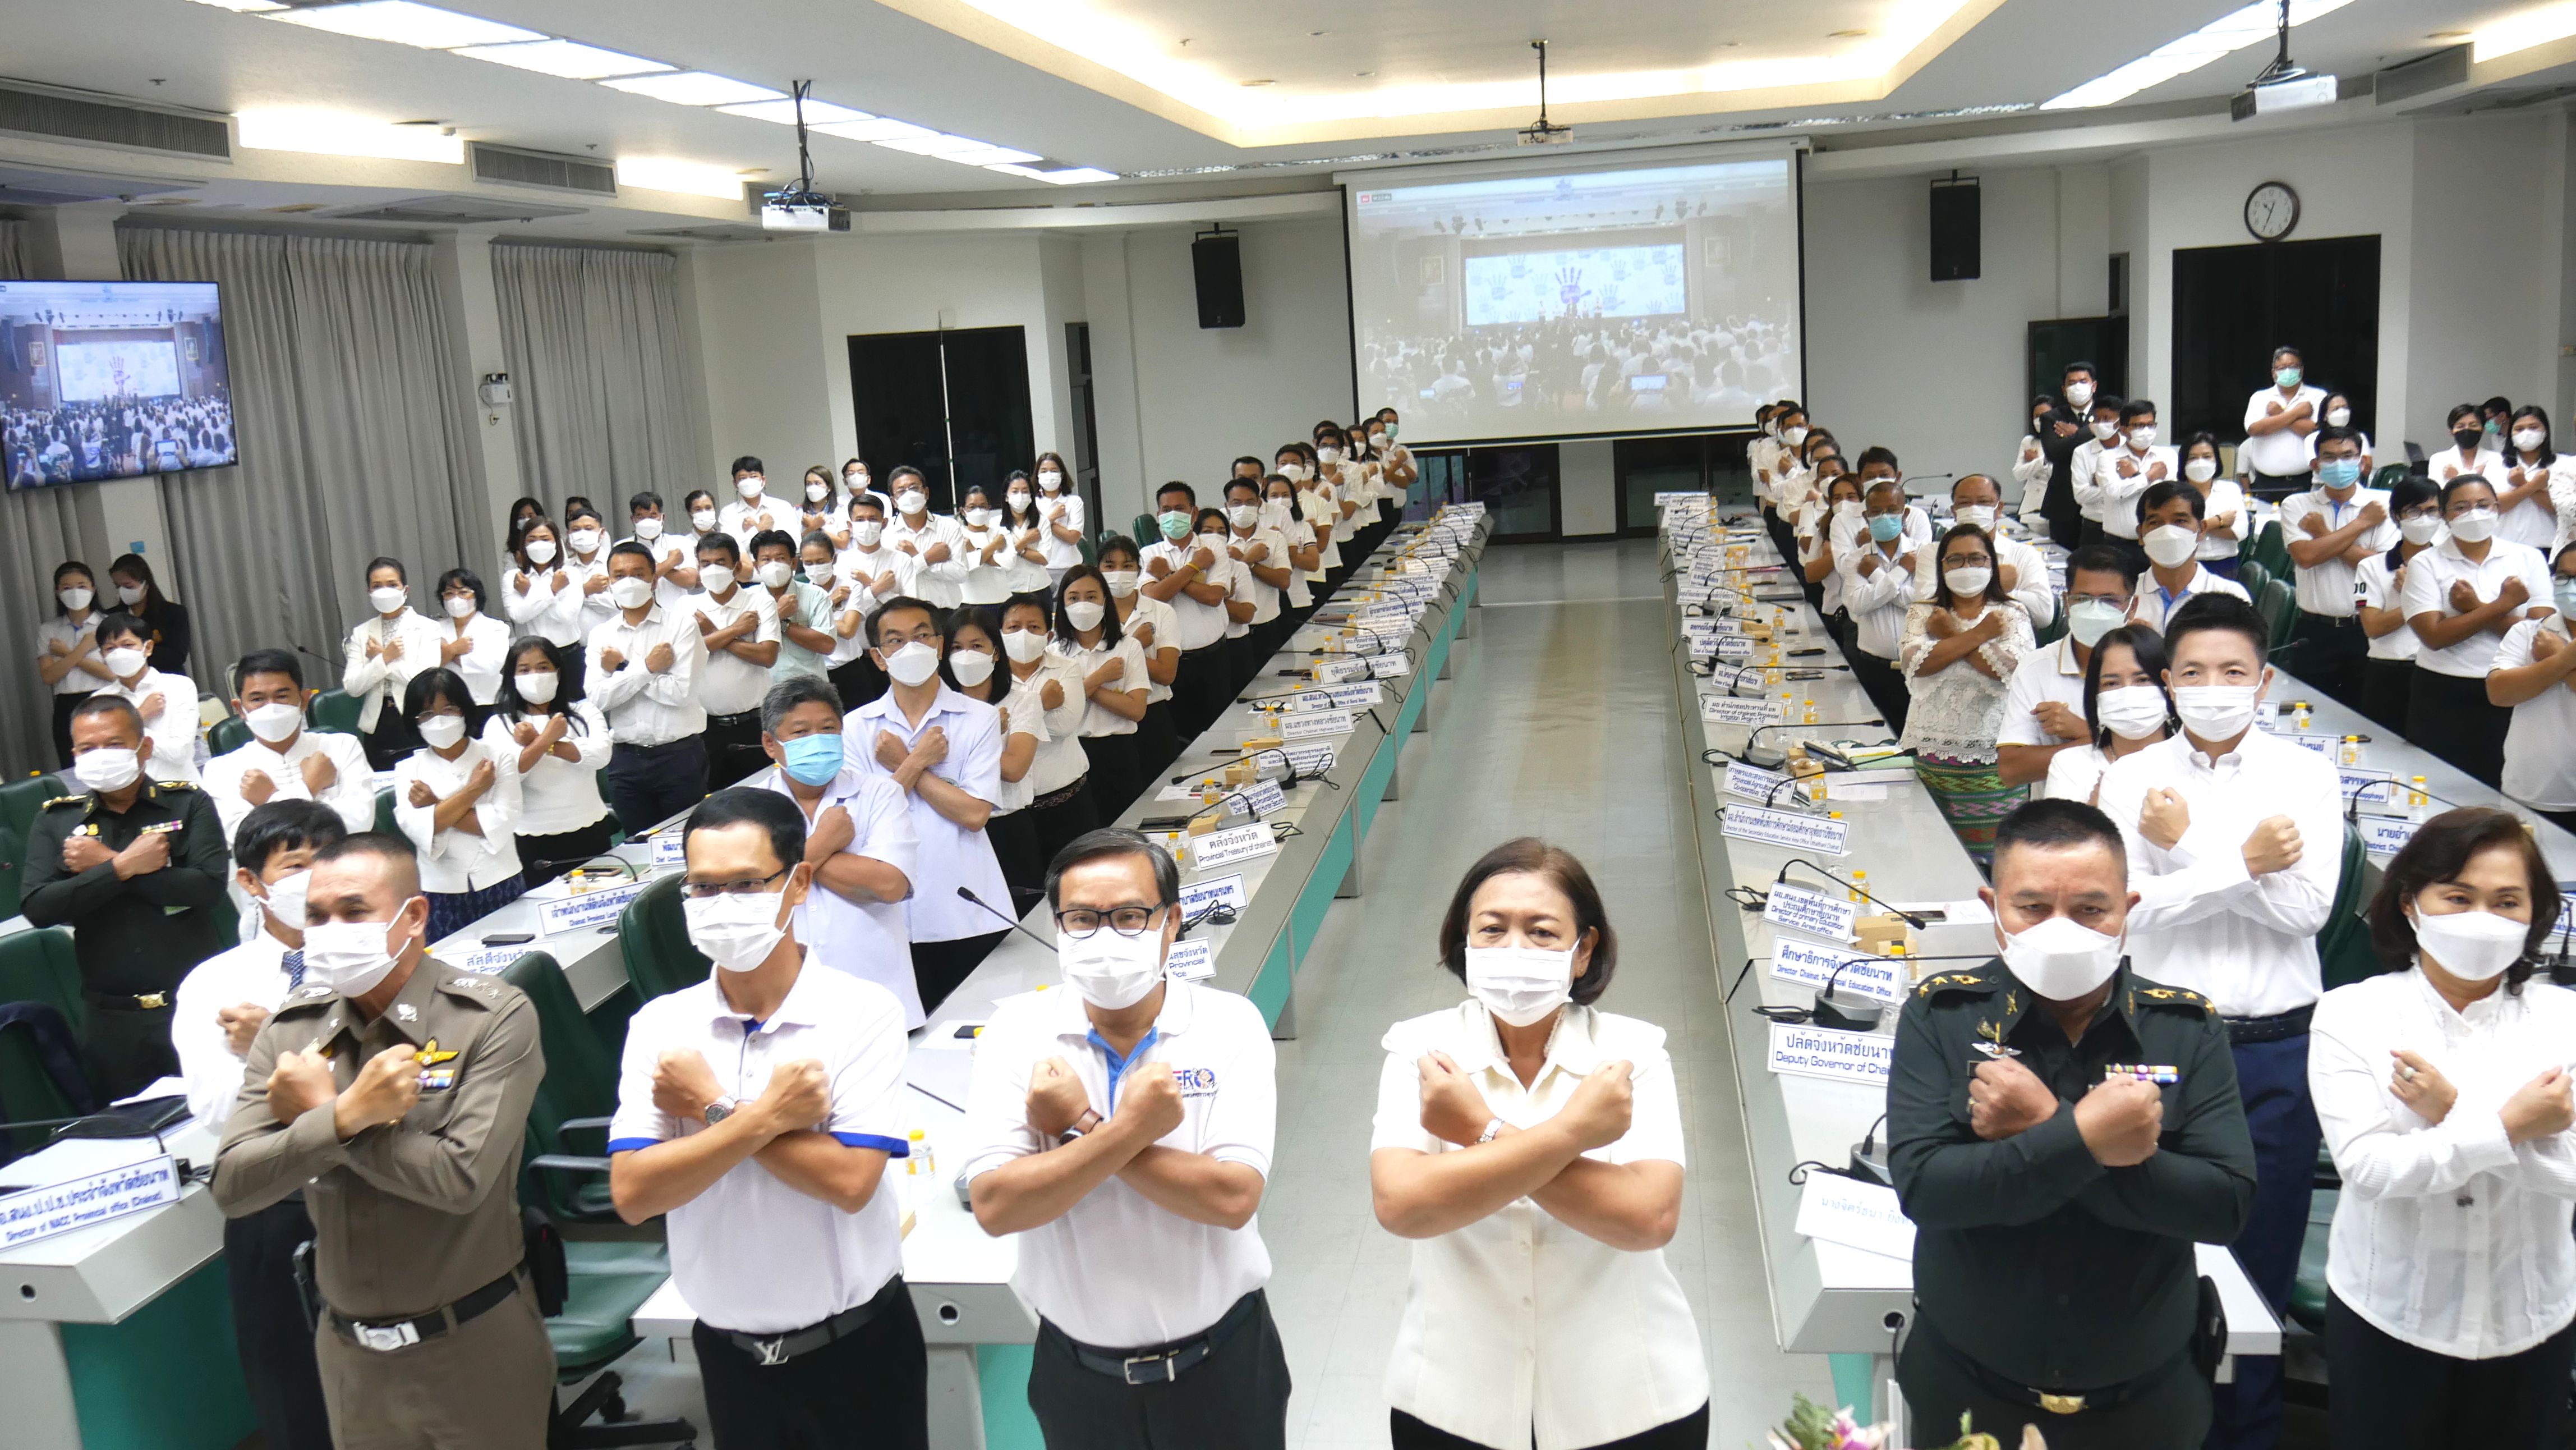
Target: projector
{"points": [[806, 211], [1544, 134], [2290, 93]]}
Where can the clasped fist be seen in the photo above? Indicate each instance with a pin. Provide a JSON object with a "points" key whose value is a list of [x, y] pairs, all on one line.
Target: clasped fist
{"points": [[2163, 816], [299, 1082], [1057, 1098], [1603, 1103], [683, 1085], [2120, 1120], [387, 1086], [2274, 846], [2541, 1107], [2006, 1098], [1150, 1100], [798, 1096], [1453, 1111]]}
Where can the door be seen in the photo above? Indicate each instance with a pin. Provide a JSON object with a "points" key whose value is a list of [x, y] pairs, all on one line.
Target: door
{"points": [[952, 403], [2233, 305], [1692, 463]]}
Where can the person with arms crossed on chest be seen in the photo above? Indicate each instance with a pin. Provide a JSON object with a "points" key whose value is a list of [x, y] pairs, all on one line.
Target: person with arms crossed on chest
{"points": [[2169, 522], [167, 702], [804, 608], [738, 630], [2469, 455], [1156, 629], [457, 798], [1195, 576], [757, 1109], [2222, 504], [1121, 1127], [470, 641], [68, 665], [875, 571], [2020, 568], [2330, 530], [2462, 597], [283, 760], [555, 747], [383, 652], [2126, 709], [1878, 585], [642, 671], [2532, 506], [2062, 1128], [2379, 588], [675, 556], [2234, 839], [2061, 431], [392, 1091], [2128, 467], [2086, 463], [2278, 420], [752, 509], [2535, 676], [222, 1006], [934, 544], [1060, 514]]}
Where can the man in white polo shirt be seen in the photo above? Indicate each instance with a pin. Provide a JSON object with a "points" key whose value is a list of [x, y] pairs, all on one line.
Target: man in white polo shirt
{"points": [[739, 628], [283, 761], [2169, 524], [858, 838], [2329, 530], [2044, 699], [2278, 420], [1121, 1126], [757, 1109]]}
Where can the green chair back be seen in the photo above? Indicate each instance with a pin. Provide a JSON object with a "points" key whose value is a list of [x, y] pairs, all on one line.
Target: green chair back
{"points": [[2253, 576], [333, 710], [35, 966], [1090, 551], [1144, 532], [2280, 606], [227, 735], [19, 802], [2272, 550], [604, 1284], [385, 821], [2388, 475], [653, 934], [580, 1084], [2344, 953], [2053, 631]]}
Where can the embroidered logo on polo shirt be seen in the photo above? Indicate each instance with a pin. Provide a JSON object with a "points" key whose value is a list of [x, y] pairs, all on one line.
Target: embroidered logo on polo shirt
{"points": [[1196, 1082]]}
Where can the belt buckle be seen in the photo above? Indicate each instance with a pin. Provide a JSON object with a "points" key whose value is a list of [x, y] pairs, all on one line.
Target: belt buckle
{"points": [[1165, 1362], [2061, 1404], [152, 1001], [386, 1338], [772, 1352]]}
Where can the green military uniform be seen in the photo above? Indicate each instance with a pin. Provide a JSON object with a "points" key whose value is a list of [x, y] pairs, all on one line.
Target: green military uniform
{"points": [[431, 1339], [134, 938], [2050, 1289]]}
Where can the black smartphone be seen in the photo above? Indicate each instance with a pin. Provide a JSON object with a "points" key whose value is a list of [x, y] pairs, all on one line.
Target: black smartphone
{"points": [[966, 1031], [509, 938], [1153, 825]]}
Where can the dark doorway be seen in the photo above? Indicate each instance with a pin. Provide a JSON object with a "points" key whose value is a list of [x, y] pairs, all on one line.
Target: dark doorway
{"points": [[1516, 483], [954, 404], [1684, 463], [2233, 305]]}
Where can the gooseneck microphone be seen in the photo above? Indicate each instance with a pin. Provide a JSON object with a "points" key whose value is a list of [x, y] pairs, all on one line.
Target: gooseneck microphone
{"points": [[1006, 921]]}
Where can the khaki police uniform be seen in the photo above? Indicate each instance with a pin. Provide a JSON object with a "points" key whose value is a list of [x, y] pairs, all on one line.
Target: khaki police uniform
{"points": [[430, 1336]]}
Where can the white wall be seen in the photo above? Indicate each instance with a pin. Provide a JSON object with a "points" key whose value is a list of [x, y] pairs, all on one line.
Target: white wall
{"points": [[2483, 308], [759, 310]]}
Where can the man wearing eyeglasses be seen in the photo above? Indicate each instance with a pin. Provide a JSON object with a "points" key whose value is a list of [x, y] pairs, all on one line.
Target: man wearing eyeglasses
{"points": [[757, 1109], [1122, 1129]]}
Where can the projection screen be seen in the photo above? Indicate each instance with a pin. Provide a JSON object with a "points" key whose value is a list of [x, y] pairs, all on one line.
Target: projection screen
{"points": [[1576, 301]]}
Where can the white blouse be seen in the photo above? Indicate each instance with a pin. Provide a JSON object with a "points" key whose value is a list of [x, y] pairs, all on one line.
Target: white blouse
{"points": [[59, 629], [1061, 760], [1066, 508], [556, 795], [1097, 719], [480, 665], [455, 860], [1957, 712], [2448, 1235], [1165, 622]]}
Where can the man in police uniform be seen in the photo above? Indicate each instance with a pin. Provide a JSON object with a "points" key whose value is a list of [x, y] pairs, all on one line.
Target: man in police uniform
{"points": [[136, 868], [2062, 1132], [394, 1092]]}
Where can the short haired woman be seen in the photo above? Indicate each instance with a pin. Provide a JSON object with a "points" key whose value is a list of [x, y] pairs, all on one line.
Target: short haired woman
{"points": [[458, 802], [2126, 707], [555, 742]]}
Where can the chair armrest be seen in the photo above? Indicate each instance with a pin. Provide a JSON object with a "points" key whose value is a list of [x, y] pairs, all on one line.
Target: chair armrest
{"points": [[568, 1163], [568, 1124]]}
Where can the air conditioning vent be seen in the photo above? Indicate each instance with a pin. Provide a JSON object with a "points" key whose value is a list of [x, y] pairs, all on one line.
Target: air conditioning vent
{"points": [[711, 232], [515, 167], [452, 211], [103, 121]]}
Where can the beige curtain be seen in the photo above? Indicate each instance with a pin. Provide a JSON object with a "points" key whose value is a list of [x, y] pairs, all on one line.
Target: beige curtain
{"points": [[37, 532], [598, 362], [355, 419]]}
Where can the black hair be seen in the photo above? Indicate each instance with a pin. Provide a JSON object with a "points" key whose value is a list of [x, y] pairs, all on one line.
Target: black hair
{"points": [[1116, 543], [693, 495], [65, 570], [2498, 404], [526, 505], [748, 464], [1110, 633], [518, 540], [770, 810], [2221, 611], [1257, 485], [796, 689], [136, 566], [2339, 435], [116, 705], [567, 684], [1111, 841], [2451, 419], [2411, 490], [774, 538], [721, 542], [1026, 515], [2136, 408], [629, 549], [1036, 599], [2548, 450], [982, 617], [862, 497], [473, 583], [1941, 592], [811, 538], [2285, 350], [580, 508], [441, 684], [2460, 481], [391, 846], [876, 616], [1878, 453], [283, 825], [2071, 369], [1248, 458], [2165, 491], [118, 622], [2439, 851], [1183, 489], [269, 662], [1528, 855], [388, 561], [1200, 519], [2183, 454], [2056, 824], [643, 499], [2149, 649]]}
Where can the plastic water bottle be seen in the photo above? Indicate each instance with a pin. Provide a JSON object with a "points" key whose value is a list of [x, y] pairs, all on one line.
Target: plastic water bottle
{"points": [[918, 1161]]}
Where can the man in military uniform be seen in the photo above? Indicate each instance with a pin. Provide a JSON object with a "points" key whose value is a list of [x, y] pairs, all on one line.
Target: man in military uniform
{"points": [[2062, 1132], [137, 869], [394, 1091]]}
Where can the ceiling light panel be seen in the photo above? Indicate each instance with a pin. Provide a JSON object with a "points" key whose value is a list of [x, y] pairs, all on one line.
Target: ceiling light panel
{"points": [[567, 58], [405, 22], [1063, 176], [2523, 31], [333, 133], [880, 129], [2224, 36], [669, 173], [696, 88], [784, 112], [247, 7]]}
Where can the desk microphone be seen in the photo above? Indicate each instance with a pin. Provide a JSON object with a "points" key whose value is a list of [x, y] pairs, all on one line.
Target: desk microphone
{"points": [[1912, 920], [1006, 921]]}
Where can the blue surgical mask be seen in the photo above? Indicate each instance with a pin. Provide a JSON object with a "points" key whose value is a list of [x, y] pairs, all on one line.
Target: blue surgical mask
{"points": [[812, 759], [1885, 527], [2339, 472], [2565, 590]]}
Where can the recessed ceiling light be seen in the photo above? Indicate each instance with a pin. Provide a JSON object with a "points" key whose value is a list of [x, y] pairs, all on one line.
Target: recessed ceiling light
{"points": [[247, 7], [881, 129], [784, 112], [2447, 35], [1263, 81], [2229, 33], [332, 133], [963, 149], [669, 173], [696, 88], [406, 22], [1845, 34], [1364, 73], [1063, 176], [567, 58]]}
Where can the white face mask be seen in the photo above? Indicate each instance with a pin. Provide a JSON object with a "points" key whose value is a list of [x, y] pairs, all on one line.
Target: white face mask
{"points": [[1520, 985], [131, 594], [1328, 456], [284, 902], [2090, 619], [648, 529], [1982, 515], [1279, 511], [1969, 581], [442, 731], [2338, 417], [537, 687], [866, 532], [1018, 497], [1023, 645], [911, 501], [1050, 480], [2476, 526], [749, 488], [2528, 439], [1112, 971], [1293, 472], [715, 578], [2143, 436], [388, 601], [774, 575], [978, 518], [1122, 582], [2200, 470], [702, 520], [112, 768], [1243, 515], [2171, 544], [2216, 712], [2132, 712], [1794, 434], [2062, 959], [2079, 394], [125, 661], [2107, 429], [2419, 528], [856, 480], [541, 551], [349, 957], [583, 541], [458, 606], [1085, 615], [736, 932], [972, 667], [817, 492], [274, 722], [629, 592], [913, 663], [821, 575], [76, 598], [2471, 945]]}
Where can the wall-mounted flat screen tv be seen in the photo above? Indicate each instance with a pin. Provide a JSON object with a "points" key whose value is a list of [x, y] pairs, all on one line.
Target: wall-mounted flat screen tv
{"points": [[112, 380]]}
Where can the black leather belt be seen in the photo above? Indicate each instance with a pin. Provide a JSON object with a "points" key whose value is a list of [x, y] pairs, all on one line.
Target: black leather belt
{"points": [[1162, 1363], [2247, 1031], [127, 1001], [385, 1336], [777, 1349], [2109, 1397]]}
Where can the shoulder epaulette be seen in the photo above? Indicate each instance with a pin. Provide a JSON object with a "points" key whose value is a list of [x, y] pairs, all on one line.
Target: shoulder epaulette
{"points": [[306, 996], [64, 800], [173, 785], [1957, 982], [2179, 998]]}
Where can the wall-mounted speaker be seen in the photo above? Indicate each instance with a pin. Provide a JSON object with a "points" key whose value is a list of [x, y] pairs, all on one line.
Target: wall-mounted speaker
{"points": [[1955, 224], [1216, 261]]}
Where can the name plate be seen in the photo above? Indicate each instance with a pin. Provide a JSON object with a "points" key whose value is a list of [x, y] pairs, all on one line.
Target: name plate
{"points": [[2386, 835], [1861, 1057], [1752, 781], [1303, 700], [1806, 909], [1334, 672], [1734, 647], [489, 959], [1263, 797], [1794, 829], [1729, 710], [1354, 696], [41, 1213], [1384, 628], [1309, 761], [1813, 964], [1224, 848], [1857, 1215], [2321, 744], [588, 908], [1390, 667], [2363, 783], [671, 850], [1198, 896], [1191, 961], [1320, 722]]}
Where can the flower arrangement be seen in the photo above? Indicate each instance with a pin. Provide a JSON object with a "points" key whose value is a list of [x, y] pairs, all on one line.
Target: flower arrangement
{"points": [[1811, 1426]]}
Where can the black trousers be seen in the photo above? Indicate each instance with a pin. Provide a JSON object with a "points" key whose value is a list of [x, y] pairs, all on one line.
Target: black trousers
{"points": [[649, 784], [860, 682], [938, 966], [1201, 689], [1015, 845], [2274, 487], [1235, 1399], [1885, 685], [2391, 1393], [63, 707], [733, 749], [1117, 773], [2169, 1412], [128, 1048], [1690, 1432], [1158, 744], [868, 1391], [1058, 825], [2331, 654], [270, 1331], [543, 858], [2452, 717], [391, 740], [2385, 687]]}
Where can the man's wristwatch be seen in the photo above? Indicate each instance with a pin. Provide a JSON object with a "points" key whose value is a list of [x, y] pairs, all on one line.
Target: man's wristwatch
{"points": [[719, 1110], [1492, 1131], [1089, 1120]]}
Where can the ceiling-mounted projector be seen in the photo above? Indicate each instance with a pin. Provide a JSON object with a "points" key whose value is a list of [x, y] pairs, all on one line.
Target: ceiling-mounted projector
{"points": [[785, 211], [2283, 85]]}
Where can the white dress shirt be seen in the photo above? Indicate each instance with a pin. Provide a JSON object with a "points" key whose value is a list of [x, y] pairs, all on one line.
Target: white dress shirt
{"points": [[174, 734], [556, 795], [254, 973], [378, 684], [1877, 600], [863, 568], [1248, 587], [2285, 451], [2225, 500], [2117, 495], [2374, 583], [943, 583], [1099, 719], [2032, 474], [1063, 507], [352, 791], [455, 860], [2327, 588], [2079, 468], [1118, 1271], [948, 854], [59, 629], [2429, 577], [727, 683], [866, 939], [1060, 760], [488, 640], [2074, 774], [2042, 676], [2450, 463], [644, 708], [2448, 1236], [742, 519], [2247, 943], [2539, 763], [534, 606], [2155, 604], [751, 1254], [1155, 627], [1201, 624], [2533, 521], [1518, 1327]]}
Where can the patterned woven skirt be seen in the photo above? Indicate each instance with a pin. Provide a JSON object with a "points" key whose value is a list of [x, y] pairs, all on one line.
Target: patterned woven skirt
{"points": [[453, 911], [1973, 799]]}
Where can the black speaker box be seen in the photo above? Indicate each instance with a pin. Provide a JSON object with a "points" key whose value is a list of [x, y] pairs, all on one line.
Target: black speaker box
{"points": [[1954, 230], [1216, 261]]}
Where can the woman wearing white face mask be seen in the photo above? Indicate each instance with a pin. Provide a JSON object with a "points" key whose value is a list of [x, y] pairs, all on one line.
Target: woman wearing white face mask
{"points": [[1156, 629], [1024, 557], [2379, 584], [2534, 668], [1111, 663], [2222, 504], [820, 510], [2031, 466], [2125, 707], [2462, 596], [2338, 414], [1041, 685], [382, 654], [1530, 1145], [972, 666], [1959, 648], [457, 802], [67, 649], [1060, 516], [167, 702], [1279, 512], [2537, 479], [470, 641], [555, 742], [538, 593], [2443, 1090], [989, 548]]}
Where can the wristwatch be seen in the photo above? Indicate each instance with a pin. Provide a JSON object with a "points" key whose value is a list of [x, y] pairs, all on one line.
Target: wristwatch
{"points": [[719, 1110], [1089, 1120], [1492, 1131]]}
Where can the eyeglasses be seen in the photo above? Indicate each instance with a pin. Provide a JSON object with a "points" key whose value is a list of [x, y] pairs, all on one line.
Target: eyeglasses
{"points": [[701, 890], [1081, 922]]}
